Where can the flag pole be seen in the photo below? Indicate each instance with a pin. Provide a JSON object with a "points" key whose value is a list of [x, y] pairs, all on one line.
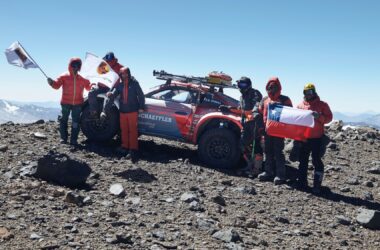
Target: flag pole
{"points": [[33, 60]]}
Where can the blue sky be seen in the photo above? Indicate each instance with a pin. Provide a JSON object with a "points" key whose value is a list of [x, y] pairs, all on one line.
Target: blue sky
{"points": [[334, 44]]}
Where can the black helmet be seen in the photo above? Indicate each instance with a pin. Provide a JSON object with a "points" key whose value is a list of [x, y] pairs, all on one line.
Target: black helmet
{"points": [[244, 83]]}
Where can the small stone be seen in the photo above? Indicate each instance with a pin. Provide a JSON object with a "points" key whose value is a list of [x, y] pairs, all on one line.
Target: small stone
{"points": [[35, 236], [117, 190], [229, 235], [345, 189], [40, 135], [368, 196], [368, 184], [74, 198], [188, 197], [251, 223], [9, 175], [219, 200], [282, 219], [369, 218], [343, 220], [5, 234], [133, 200], [353, 181], [3, 148]]}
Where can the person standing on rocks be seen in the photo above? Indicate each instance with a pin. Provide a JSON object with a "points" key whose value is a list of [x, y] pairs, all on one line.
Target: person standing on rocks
{"points": [[314, 145], [252, 123], [101, 88], [274, 146], [73, 86], [132, 101]]}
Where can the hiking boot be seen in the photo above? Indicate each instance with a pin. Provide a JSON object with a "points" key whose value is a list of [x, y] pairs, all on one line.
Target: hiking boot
{"points": [[123, 151], [74, 143], [278, 181], [265, 177], [134, 156]]}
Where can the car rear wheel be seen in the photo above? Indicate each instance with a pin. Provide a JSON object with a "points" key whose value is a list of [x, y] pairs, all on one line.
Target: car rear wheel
{"points": [[98, 130], [219, 148]]}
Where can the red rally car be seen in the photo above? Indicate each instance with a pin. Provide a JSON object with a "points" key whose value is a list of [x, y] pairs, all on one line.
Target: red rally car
{"points": [[186, 109]]}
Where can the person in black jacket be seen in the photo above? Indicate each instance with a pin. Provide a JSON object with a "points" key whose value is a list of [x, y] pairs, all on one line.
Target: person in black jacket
{"points": [[252, 125], [132, 101]]}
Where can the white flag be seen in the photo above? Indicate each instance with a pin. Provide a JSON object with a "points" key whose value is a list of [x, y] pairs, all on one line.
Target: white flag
{"points": [[17, 56], [95, 69]]}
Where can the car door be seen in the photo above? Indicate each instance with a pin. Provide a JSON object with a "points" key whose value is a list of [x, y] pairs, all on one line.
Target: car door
{"points": [[167, 113]]}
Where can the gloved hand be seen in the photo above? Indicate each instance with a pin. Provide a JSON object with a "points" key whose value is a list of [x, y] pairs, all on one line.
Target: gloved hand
{"points": [[316, 115], [50, 81]]}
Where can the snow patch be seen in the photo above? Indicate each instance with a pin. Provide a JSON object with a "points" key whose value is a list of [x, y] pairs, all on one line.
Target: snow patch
{"points": [[9, 108]]}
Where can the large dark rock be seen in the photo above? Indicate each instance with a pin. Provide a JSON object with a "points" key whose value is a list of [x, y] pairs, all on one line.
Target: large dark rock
{"points": [[61, 169]]}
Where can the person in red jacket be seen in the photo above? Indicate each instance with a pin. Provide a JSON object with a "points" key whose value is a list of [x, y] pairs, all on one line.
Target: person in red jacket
{"points": [[274, 146], [322, 115], [113, 62], [101, 88], [132, 101], [72, 99]]}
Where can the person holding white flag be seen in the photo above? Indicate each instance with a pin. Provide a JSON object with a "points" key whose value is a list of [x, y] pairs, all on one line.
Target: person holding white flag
{"points": [[314, 144], [72, 99], [99, 72]]}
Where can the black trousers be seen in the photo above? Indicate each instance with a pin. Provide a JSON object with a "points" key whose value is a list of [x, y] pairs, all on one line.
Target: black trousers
{"points": [[274, 156], [315, 147], [248, 134]]}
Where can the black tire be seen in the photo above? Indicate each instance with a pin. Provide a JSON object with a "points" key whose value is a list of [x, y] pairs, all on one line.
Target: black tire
{"points": [[219, 148], [97, 130]]}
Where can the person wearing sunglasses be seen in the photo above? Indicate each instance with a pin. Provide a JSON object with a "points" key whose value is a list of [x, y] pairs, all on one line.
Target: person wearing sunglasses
{"points": [[252, 126], [274, 146], [314, 145], [73, 86]]}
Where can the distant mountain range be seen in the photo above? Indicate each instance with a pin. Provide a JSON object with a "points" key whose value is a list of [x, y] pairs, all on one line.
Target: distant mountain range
{"points": [[19, 112], [27, 112], [364, 119]]}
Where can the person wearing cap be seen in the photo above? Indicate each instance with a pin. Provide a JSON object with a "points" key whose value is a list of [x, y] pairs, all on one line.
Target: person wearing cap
{"points": [[252, 123], [113, 62], [73, 86], [132, 101], [273, 146], [100, 88], [314, 145]]}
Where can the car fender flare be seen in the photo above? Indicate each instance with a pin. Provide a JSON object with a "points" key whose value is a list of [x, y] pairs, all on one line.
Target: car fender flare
{"points": [[212, 116]]}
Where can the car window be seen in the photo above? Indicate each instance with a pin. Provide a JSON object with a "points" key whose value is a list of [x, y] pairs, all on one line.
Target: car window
{"points": [[165, 94], [182, 96], [176, 95]]}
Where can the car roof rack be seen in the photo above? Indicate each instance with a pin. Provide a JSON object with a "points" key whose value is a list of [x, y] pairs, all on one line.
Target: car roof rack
{"points": [[163, 75]]}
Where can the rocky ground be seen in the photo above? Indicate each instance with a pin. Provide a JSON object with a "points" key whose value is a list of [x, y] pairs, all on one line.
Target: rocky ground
{"points": [[168, 200]]}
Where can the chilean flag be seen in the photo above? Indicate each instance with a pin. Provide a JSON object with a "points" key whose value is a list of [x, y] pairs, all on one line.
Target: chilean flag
{"points": [[288, 122]]}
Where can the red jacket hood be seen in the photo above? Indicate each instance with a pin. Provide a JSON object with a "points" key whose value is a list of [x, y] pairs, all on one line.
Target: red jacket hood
{"points": [[274, 81], [72, 60]]}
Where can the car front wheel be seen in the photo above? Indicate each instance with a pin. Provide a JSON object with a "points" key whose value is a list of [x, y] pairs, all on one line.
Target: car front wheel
{"points": [[219, 148]]}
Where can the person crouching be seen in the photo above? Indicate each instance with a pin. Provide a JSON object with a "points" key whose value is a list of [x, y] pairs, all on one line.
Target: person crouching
{"points": [[132, 101]]}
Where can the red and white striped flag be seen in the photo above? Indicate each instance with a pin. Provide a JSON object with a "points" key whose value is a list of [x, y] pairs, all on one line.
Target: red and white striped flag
{"points": [[288, 122]]}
